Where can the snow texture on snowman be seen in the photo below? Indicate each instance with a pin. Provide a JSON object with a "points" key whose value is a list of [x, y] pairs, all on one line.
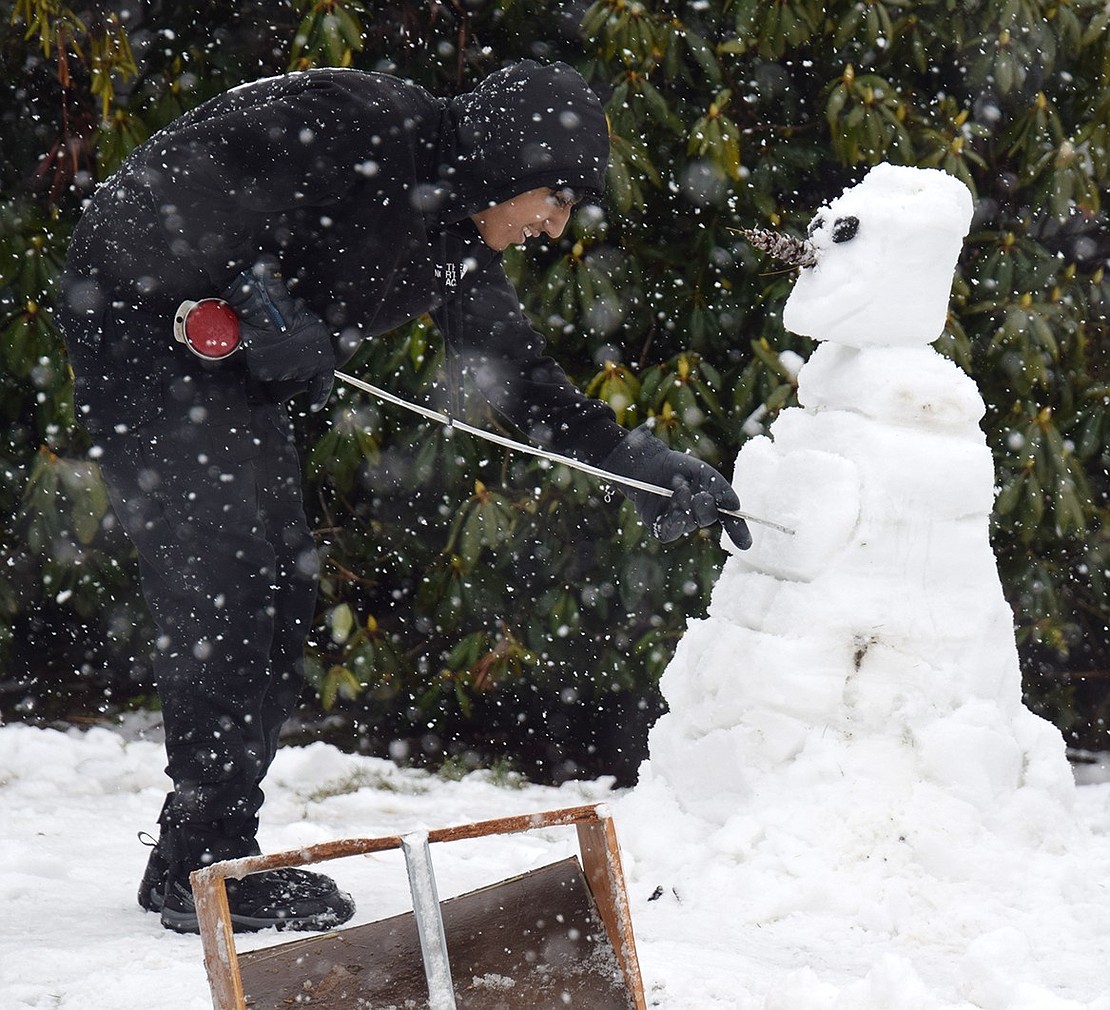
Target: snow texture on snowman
{"points": [[855, 686]]}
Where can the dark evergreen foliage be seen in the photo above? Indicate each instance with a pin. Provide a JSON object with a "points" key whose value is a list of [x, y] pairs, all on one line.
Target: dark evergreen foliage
{"points": [[477, 602]]}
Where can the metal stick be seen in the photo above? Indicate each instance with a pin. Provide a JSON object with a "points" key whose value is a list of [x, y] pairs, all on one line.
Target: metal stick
{"points": [[554, 457], [429, 921]]}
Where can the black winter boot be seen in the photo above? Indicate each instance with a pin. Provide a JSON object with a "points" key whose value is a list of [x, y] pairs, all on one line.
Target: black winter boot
{"points": [[283, 899], [153, 883], [228, 842], [278, 899]]}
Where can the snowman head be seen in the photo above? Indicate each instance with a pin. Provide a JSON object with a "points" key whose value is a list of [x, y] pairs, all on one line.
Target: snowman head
{"points": [[881, 257]]}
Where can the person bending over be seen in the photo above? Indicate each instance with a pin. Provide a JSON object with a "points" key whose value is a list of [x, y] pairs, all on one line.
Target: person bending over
{"points": [[325, 206]]}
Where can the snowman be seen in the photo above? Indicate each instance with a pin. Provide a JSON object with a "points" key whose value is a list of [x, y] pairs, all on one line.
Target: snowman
{"points": [[860, 674]]}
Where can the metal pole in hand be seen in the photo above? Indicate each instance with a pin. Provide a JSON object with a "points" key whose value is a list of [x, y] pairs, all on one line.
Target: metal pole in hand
{"points": [[554, 457]]}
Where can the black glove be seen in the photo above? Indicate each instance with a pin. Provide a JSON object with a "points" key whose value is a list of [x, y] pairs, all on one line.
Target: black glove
{"points": [[284, 340], [699, 491]]}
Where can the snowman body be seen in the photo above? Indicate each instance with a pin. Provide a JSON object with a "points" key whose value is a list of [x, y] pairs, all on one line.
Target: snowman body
{"points": [[870, 654]]}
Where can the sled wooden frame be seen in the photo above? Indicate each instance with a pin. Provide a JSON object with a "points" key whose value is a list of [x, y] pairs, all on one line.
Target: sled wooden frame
{"points": [[601, 864]]}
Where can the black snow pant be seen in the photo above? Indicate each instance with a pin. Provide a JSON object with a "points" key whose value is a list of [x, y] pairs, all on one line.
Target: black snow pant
{"points": [[209, 492]]}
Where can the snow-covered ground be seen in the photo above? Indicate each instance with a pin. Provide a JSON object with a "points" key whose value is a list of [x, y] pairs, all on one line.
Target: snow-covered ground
{"points": [[770, 932]]}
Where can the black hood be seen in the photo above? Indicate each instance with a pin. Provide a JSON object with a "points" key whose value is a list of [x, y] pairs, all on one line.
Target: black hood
{"points": [[523, 127]]}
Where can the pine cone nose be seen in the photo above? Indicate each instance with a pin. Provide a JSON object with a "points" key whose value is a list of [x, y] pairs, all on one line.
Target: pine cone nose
{"points": [[795, 251]]}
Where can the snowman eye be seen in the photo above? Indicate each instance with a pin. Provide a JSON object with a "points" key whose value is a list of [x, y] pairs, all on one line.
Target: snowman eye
{"points": [[845, 228], [815, 225]]}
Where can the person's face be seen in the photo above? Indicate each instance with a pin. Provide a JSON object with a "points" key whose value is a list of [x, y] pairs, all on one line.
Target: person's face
{"points": [[539, 211]]}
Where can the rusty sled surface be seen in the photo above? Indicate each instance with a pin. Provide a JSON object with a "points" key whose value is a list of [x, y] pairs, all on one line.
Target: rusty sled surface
{"points": [[557, 937]]}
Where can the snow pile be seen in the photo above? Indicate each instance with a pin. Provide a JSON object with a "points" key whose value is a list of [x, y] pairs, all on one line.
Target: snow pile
{"points": [[846, 746], [71, 934], [770, 920]]}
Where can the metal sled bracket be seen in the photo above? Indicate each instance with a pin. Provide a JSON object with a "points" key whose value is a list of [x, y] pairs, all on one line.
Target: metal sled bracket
{"points": [[528, 904]]}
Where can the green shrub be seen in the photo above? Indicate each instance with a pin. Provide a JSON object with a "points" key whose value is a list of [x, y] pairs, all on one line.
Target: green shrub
{"points": [[475, 600]]}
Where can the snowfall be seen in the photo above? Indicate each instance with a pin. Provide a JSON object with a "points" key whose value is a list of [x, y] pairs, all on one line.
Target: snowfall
{"points": [[846, 806]]}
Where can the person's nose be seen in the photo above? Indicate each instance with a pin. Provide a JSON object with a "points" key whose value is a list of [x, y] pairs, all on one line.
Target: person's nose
{"points": [[556, 222]]}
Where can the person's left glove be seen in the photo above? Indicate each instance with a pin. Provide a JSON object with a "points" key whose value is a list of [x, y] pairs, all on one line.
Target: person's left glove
{"points": [[283, 339], [699, 490]]}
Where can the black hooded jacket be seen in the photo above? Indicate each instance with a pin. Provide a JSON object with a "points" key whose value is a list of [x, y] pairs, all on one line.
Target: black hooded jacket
{"points": [[363, 186]]}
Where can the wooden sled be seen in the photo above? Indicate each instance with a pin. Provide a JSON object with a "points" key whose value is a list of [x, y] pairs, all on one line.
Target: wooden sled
{"points": [[553, 938]]}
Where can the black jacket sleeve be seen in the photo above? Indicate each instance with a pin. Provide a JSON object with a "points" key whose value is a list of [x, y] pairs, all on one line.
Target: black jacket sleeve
{"points": [[218, 172], [502, 354]]}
